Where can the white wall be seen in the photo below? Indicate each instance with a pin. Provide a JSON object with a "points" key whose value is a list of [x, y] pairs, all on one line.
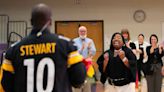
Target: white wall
{"points": [[117, 14]]}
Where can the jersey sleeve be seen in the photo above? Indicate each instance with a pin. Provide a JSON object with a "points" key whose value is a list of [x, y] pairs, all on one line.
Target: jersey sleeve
{"points": [[76, 67], [7, 72], [73, 54], [74, 61]]}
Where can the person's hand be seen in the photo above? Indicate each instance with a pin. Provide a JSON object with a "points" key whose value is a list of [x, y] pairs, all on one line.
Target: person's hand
{"points": [[89, 45], [106, 56], [106, 59], [160, 49], [123, 58], [152, 49], [139, 51], [83, 46], [162, 45], [121, 54], [88, 59], [162, 71], [128, 44], [89, 50]]}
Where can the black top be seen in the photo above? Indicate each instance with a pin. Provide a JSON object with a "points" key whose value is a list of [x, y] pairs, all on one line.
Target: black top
{"points": [[116, 69], [154, 57], [141, 54], [41, 63]]}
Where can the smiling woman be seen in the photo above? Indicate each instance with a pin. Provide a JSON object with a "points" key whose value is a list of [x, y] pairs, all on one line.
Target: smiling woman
{"points": [[118, 66]]}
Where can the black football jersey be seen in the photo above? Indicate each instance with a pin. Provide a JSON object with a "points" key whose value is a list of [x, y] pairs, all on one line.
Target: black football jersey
{"points": [[40, 63]]}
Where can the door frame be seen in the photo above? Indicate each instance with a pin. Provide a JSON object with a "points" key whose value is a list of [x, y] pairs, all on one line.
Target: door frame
{"points": [[60, 21]]}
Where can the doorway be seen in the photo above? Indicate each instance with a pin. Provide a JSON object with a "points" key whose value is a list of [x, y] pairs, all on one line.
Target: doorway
{"points": [[95, 32]]}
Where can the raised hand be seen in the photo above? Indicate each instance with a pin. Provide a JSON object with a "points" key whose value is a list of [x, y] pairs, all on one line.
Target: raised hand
{"points": [[128, 44], [89, 50], [89, 45], [162, 71], [106, 59], [123, 58], [106, 56], [121, 54], [139, 51], [83, 46], [152, 49], [160, 49]]}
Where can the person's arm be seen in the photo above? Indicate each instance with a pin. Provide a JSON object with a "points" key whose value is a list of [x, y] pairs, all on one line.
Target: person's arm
{"points": [[131, 58], [7, 76], [106, 60], [145, 56], [133, 48], [7, 71], [82, 48], [92, 48], [124, 58], [75, 67], [130, 61], [100, 62], [101, 67], [137, 49], [77, 43], [150, 51], [161, 52]]}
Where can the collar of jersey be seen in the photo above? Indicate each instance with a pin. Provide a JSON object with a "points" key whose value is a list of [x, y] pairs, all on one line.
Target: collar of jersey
{"points": [[35, 31]]}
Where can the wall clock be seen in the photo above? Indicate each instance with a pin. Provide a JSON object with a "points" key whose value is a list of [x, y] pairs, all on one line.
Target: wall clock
{"points": [[139, 16]]}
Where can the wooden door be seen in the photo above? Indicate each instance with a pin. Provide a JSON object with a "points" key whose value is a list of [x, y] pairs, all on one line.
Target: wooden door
{"points": [[68, 29], [95, 32]]}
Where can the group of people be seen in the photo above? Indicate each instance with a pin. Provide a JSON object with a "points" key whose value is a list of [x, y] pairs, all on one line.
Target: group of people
{"points": [[46, 62], [123, 64]]}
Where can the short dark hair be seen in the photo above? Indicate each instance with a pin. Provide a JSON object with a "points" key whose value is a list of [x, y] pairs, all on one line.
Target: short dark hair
{"points": [[141, 35], [41, 13], [153, 35]]}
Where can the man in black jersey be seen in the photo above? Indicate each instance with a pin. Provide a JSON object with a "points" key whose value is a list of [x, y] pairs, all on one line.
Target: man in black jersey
{"points": [[42, 62]]}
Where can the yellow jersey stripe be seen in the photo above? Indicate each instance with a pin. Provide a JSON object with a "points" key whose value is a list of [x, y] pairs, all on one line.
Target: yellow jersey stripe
{"points": [[7, 66], [74, 57], [1, 74]]}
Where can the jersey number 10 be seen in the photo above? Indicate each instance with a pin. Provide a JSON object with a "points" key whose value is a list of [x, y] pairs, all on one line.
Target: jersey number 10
{"points": [[39, 74]]}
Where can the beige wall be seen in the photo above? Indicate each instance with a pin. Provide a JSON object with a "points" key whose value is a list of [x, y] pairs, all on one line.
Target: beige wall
{"points": [[117, 14]]}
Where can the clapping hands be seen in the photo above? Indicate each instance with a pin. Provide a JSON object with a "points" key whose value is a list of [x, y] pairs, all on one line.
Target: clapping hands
{"points": [[106, 59]]}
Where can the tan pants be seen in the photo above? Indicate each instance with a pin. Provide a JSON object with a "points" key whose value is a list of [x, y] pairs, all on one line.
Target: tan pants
{"points": [[126, 88]]}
